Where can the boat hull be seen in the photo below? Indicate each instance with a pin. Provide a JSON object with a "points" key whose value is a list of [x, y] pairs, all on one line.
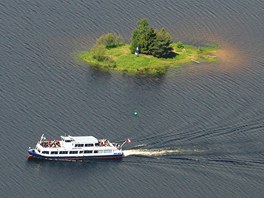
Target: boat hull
{"points": [[33, 155]]}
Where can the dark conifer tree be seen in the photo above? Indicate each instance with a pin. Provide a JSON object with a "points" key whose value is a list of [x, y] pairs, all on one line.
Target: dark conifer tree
{"points": [[161, 47], [143, 37], [149, 41]]}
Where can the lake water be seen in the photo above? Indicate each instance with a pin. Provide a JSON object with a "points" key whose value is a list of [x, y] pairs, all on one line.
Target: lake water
{"points": [[200, 129]]}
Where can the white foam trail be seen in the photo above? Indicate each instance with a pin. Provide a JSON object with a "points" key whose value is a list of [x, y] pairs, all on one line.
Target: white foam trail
{"points": [[149, 152], [157, 152]]}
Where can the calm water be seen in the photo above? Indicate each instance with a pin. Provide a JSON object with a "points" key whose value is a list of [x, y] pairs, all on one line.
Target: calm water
{"points": [[200, 128]]}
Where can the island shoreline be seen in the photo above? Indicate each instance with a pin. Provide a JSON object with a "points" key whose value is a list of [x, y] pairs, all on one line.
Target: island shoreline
{"points": [[120, 59]]}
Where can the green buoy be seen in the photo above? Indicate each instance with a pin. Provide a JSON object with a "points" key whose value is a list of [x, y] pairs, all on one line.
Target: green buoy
{"points": [[135, 113]]}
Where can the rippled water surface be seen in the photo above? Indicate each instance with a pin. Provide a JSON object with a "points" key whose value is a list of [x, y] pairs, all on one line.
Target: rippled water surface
{"points": [[200, 128]]}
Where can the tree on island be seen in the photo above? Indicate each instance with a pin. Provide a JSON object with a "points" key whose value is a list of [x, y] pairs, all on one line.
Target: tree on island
{"points": [[143, 37], [162, 44], [151, 41]]}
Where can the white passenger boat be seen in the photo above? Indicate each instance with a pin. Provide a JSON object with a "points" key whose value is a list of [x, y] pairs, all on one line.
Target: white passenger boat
{"points": [[76, 148]]}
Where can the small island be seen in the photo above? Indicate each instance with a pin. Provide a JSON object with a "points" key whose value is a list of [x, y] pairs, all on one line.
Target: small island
{"points": [[151, 52]]}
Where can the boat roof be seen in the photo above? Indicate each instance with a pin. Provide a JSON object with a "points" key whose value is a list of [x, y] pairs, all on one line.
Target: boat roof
{"points": [[84, 139]]}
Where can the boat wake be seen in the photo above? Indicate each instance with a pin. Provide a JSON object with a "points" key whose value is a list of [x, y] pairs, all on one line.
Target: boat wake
{"points": [[158, 152]]}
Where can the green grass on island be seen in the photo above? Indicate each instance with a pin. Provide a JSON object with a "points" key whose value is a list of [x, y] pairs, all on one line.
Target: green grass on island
{"points": [[120, 59]]}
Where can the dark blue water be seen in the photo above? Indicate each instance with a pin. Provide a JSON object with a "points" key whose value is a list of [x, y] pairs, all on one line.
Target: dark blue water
{"points": [[200, 128]]}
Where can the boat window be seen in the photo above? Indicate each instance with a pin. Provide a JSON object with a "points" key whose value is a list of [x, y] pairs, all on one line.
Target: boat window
{"points": [[78, 145], [88, 151], [81, 152], [54, 152], [45, 152], [95, 151], [88, 145], [63, 152], [107, 151], [96, 144], [67, 140], [73, 152]]}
